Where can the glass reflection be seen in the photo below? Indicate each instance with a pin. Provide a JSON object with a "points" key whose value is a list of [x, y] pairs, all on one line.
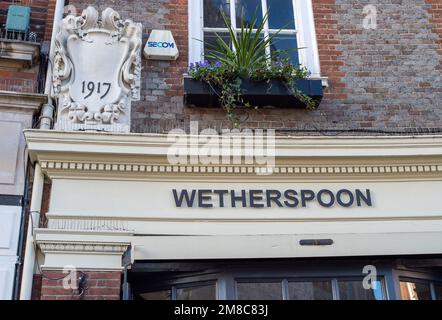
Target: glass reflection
{"points": [[286, 45], [438, 289], [281, 14], [210, 42], [259, 290], [206, 292], [157, 295], [248, 8], [316, 290], [354, 290], [415, 291], [212, 13]]}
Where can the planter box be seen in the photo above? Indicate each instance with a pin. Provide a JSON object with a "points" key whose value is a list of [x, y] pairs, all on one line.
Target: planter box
{"points": [[257, 93]]}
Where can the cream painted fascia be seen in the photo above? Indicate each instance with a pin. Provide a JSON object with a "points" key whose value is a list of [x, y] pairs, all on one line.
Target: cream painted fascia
{"points": [[82, 162], [287, 146], [84, 250], [286, 246], [26, 102], [134, 156]]}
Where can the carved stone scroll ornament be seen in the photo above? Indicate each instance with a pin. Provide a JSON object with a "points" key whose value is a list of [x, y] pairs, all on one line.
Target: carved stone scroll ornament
{"points": [[96, 71]]}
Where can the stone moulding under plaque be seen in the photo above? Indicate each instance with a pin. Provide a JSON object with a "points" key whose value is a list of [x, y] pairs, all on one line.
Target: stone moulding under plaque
{"points": [[96, 71]]}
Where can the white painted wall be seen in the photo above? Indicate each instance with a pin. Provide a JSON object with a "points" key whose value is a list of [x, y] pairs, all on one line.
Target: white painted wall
{"points": [[16, 111], [7, 267], [12, 156], [9, 232]]}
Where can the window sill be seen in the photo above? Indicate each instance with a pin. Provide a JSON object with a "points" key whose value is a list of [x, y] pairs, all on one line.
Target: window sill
{"points": [[15, 54], [257, 93]]}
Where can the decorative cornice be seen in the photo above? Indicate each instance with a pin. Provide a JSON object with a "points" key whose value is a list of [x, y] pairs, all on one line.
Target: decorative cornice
{"points": [[82, 247], [77, 166], [88, 224], [136, 156], [30, 102], [286, 146]]}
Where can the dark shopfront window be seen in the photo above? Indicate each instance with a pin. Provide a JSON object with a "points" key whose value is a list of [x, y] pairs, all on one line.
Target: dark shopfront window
{"points": [[192, 291], [418, 289], [303, 279], [305, 289], [285, 289]]}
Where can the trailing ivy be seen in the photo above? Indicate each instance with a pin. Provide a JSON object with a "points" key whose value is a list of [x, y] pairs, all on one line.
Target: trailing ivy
{"points": [[224, 81], [288, 73]]}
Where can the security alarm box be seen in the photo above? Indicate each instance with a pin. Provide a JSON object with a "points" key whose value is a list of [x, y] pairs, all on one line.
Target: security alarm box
{"points": [[18, 18]]}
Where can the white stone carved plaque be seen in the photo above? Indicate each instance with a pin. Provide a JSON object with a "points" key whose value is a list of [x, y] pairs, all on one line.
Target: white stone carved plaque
{"points": [[96, 72]]}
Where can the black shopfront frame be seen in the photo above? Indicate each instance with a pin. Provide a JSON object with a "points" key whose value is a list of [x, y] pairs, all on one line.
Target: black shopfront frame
{"points": [[150, 276]]}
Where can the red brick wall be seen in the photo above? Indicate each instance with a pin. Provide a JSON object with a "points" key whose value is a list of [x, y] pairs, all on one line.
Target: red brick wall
{"points": [[19, 81], [436, 21], [101, 285], [326, 33], [36, 287], [50, 19]]}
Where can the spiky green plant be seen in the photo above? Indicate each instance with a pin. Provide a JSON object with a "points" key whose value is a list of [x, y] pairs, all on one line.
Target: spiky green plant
{"points": [[246, 57], [248, 50]]}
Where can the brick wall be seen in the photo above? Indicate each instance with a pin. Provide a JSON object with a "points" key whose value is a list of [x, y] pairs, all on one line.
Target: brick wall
{"points": [[50, 19], [19, 81], [383, 79], [103, 285], [37, 282], [436, 21]]}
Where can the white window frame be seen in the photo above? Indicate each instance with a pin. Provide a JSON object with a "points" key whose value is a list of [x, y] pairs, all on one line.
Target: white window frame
{"points": [[304, 25]]}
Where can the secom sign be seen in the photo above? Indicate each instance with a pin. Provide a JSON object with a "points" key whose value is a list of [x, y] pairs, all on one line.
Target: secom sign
{"points": [[153, 44], [161, 46]]}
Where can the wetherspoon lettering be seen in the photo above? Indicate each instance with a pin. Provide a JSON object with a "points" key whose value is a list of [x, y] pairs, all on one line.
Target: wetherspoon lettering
{"points": [[207, 198]]}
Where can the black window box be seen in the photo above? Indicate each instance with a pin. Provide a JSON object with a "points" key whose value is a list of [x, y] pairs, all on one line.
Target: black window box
{"points": [[258, 93]]}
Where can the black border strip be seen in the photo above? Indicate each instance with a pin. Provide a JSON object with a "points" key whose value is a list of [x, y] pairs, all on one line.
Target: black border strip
{"points": [[10, 200]]}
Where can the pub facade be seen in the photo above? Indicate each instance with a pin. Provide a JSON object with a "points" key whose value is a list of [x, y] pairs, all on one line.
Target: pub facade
{"points": [[154, 179]]}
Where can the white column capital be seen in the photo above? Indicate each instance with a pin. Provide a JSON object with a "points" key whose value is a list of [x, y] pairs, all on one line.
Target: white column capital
{"points": [[85, 250]]}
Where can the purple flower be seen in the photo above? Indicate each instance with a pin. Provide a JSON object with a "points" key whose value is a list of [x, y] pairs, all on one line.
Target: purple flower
{"points": [[191, 66], [218, 64]]}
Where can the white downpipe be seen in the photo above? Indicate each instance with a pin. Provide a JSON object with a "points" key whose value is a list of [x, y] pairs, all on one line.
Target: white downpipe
{"points": [[47, 112], [29, 261]]}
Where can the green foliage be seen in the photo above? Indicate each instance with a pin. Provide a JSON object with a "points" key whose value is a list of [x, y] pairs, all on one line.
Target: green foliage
{"points": [[245, 56], [287, 72], [245, 50]]}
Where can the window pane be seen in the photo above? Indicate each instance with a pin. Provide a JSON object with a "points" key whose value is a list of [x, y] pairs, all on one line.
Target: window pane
{"points": [[287, 47], [157, 295], [438, 289], [210, 40], [317, 290], [205, 292], [212, 13], [281, 14], [259, 291], [248, 8], [415, 291], [354, 290]]}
